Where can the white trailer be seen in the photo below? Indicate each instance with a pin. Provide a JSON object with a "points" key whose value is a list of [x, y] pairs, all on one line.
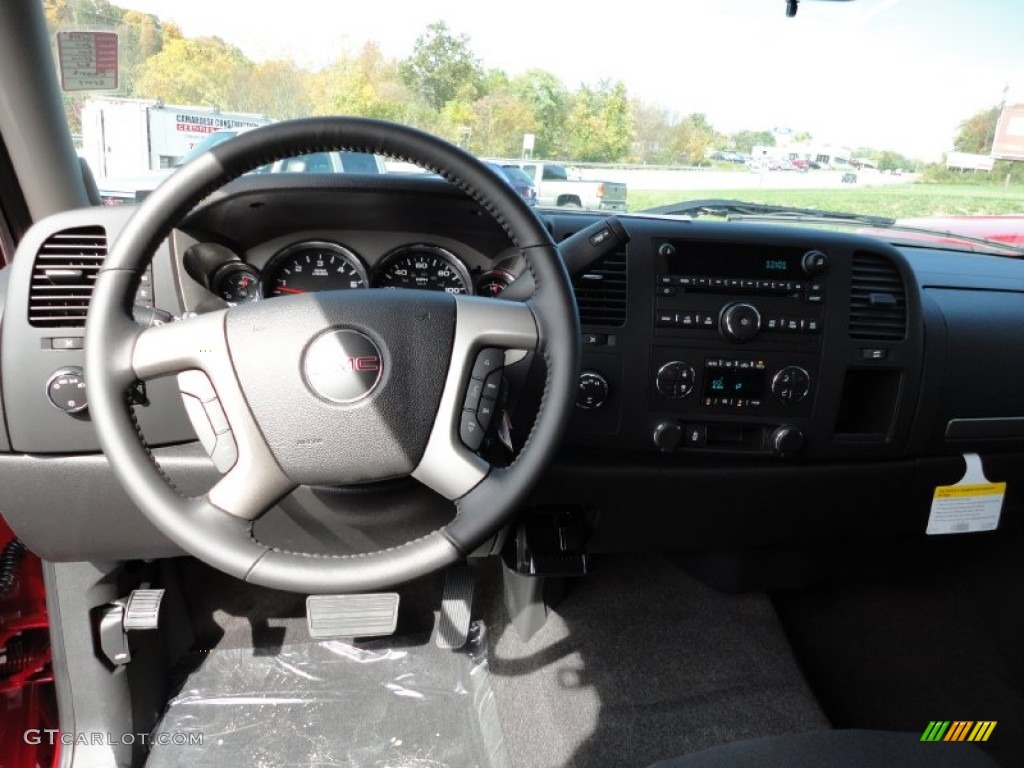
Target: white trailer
{"points": [[130, 137]]}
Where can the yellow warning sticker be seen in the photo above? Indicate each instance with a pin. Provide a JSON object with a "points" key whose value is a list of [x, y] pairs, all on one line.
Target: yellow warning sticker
{"points": [[966, 508]]}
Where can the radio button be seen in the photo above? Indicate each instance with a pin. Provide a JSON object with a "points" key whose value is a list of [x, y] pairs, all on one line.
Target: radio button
{"points": [[666, 280], [686, 282], [740, 322], [665, 290], [666, 319]]}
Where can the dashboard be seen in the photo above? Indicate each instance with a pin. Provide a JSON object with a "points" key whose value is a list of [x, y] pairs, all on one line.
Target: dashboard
{"points": [[741, 385]]}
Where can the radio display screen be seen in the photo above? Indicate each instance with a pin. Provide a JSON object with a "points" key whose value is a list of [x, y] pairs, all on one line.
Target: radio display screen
{"points": [[734, 260], [733, 383]]}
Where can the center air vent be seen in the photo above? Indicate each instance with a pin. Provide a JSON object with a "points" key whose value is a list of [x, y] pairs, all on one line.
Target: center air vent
{"points": [[601, 291], [878, 302], [63, 277]]}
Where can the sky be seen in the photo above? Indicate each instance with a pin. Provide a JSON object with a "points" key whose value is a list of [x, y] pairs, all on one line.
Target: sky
{"points": [[887, 74]]}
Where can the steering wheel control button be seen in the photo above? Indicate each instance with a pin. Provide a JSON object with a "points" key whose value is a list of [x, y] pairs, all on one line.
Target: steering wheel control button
{"points": [[343, 366], [474, 392], [224, 453], [592, 391], [675, 379], [470, 431], [485, 413], [791, 385], [66, 390], [215, 414], [196, 384], [489, 360], [200, 422], [492, 384], [740, 322]]}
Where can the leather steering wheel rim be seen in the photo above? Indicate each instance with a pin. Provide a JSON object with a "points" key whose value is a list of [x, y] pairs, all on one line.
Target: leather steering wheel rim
{"points": [[119, 353]]}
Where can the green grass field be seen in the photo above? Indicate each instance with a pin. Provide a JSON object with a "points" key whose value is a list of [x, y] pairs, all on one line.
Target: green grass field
{"points": [[899, 201]]}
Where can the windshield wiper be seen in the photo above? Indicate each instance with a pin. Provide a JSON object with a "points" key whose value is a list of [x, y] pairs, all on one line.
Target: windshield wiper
{"points": [[738, 210]]}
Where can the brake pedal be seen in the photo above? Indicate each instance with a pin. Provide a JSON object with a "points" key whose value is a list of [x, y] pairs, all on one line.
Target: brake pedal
{"points": [[351, 616], [456, 608]]}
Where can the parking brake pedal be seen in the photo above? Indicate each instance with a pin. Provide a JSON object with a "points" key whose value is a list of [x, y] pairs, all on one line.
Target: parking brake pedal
{"points": [[140, 611], [351, 616], [456, 608]]}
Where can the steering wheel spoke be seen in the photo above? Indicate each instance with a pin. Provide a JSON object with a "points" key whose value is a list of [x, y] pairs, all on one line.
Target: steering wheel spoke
{"points": [[197, 350], [487, 333]]}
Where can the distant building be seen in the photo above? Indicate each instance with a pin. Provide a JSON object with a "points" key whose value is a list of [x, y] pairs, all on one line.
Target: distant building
{"points": [[825, 155]]}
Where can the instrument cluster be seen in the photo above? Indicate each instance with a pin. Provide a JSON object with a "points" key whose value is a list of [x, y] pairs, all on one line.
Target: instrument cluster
{"points": [[322, 265]]}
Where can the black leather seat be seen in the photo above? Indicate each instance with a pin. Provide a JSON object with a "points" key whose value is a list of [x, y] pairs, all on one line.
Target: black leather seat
{"points": [[837, 749]]}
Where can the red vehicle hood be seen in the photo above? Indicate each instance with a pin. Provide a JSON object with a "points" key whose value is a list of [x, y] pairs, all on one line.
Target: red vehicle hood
{"points": [[1007, 228]]}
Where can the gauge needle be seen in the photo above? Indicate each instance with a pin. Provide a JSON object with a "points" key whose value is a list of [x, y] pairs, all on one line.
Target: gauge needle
{"points": [[282, 289]]}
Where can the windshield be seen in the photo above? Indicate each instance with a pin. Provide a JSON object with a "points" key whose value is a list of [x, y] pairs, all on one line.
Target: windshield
{"points": [[904, 109]]}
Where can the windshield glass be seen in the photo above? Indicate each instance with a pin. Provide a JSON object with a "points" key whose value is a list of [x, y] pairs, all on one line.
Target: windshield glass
{"points": [[906, 109]]}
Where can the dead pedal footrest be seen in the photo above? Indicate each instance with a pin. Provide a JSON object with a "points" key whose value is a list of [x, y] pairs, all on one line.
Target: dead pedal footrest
{"points": [[456, 608], [372, 615]]}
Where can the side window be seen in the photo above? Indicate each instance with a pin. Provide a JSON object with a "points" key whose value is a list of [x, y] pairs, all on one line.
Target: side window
{"points": [[555, 173], [531, 171]]}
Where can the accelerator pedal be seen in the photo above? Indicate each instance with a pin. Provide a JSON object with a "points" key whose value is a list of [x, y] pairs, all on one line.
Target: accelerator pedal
{"points": [[351, 616], [456, 608]]}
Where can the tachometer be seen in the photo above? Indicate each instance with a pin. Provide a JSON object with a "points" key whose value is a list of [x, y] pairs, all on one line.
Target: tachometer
{"points": [[424, 267], [313, 266]]}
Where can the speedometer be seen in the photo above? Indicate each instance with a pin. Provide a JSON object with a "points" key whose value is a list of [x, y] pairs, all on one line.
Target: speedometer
{"points": [[313, 266], [424, 267]]}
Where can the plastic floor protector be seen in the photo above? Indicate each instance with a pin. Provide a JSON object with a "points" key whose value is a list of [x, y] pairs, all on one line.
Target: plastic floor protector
{"points": [[387, 704]]}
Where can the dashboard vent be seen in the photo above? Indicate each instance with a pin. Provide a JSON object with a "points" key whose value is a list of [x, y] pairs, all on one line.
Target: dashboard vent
{"points": [[601, 291], [878, 302], [63, 277]]}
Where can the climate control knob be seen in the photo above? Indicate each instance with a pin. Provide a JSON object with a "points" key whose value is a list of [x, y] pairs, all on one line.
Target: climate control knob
{"points": [[786, 440], [740, 321], [791, 385], [591, 390], [675, 379]]}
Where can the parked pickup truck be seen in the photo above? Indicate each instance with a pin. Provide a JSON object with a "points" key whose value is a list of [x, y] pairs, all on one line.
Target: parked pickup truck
{"points": [[554, 188]]}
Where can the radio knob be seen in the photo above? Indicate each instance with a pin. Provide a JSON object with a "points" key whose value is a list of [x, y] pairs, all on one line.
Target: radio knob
{"points": [[668, 435], [814, 263], [740, 321], [592, 391], [786, 440], [666, 250]]}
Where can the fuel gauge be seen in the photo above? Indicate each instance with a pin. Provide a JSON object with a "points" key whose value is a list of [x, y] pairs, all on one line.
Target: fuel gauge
{"points": [[237, 283]]}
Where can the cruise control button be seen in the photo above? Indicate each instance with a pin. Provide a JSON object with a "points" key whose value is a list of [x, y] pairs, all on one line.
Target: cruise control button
{"points": [[488, 360], [200, 422], [469, 431]]}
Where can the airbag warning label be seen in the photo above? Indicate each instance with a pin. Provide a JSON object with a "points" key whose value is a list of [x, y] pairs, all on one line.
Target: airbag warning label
{"points": [[966, 508]]}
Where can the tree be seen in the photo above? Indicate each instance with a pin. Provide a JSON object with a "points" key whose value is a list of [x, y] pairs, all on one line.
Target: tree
{"points": [[549, 100], [652, 125], [745, 141], [600, 124], [977, 132], [441, 65], [197, 71], [690, 140], [366, 84], [500, 119]]}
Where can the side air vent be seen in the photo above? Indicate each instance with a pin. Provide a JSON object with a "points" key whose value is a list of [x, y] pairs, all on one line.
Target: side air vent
{"points": [[63, 277], [878, 301], [601, 291]]}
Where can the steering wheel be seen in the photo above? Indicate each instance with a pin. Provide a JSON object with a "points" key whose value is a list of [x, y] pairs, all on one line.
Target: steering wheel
{"points": [[330, 388]]}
